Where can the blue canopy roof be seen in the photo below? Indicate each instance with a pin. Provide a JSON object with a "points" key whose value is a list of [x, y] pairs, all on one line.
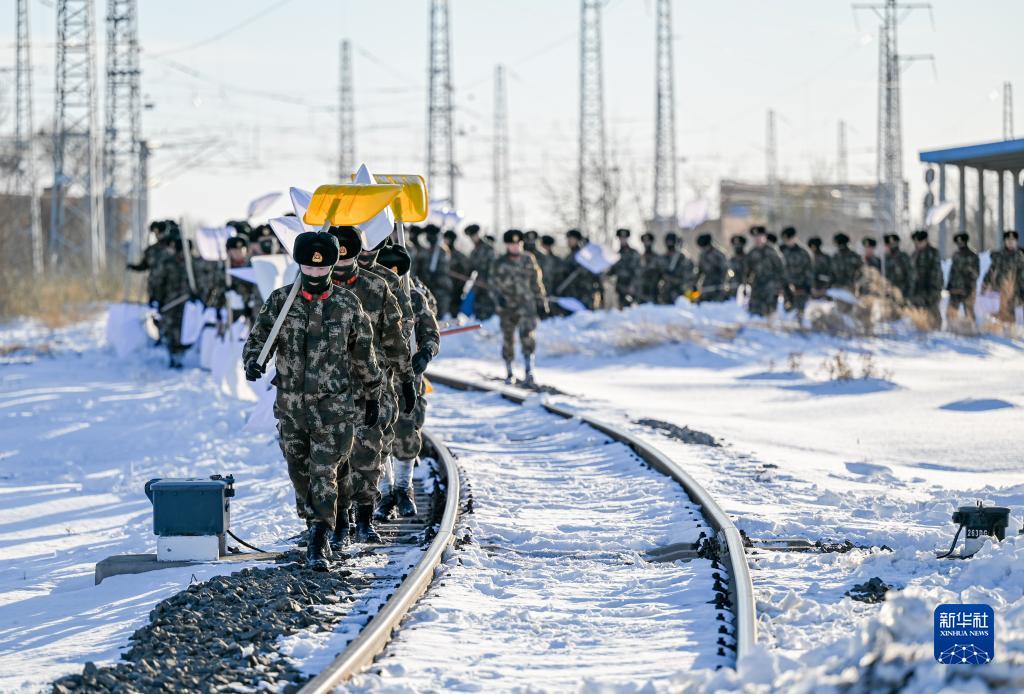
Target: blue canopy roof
{"points": [[1004, 155]]}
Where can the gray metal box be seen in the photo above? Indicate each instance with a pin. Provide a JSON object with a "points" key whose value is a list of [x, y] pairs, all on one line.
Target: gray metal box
{"points": [[190, 506]]}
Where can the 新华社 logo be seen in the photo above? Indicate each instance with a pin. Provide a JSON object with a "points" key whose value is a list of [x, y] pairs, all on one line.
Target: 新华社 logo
{"points": [[964, 634]]}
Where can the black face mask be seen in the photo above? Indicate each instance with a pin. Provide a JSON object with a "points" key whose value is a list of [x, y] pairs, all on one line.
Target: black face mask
{"points": [[367, 259], [316, 285], [267, 247]]}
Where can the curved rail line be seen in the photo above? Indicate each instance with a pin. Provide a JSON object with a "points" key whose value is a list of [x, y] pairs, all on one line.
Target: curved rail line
{"points": [[377, 632], [741, 587]]}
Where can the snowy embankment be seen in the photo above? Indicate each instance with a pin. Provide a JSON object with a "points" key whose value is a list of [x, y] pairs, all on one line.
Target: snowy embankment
{"points": [[553, 592], [875, 440]]}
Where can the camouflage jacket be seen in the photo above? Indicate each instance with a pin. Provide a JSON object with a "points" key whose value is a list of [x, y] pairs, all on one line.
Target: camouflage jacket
{"points": [[428, 335], [874, 261], [390, 342], [677, 276], [821, 268], [927, 285], [964, 269], [845, 267], [480, 259], [399, 291], [799, 267], [1007, 269], [210, 281], [549, 264], [433, 266], [712, 269], [577, 282], [169, 280], [418, 286], [625, 268], [151, 257], [515, 281], [900, 272], [325, 356], [765, 269], [648, 276], [737, 271]]}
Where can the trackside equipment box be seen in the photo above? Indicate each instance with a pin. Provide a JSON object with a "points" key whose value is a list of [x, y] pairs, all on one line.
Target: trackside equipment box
{"points": [[191, 516]]}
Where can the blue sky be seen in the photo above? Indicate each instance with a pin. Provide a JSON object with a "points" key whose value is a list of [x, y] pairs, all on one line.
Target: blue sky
{"points": [[242, 110]]}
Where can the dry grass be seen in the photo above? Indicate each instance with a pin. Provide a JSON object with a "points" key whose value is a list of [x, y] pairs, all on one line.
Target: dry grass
{"points": [[57, 299]]}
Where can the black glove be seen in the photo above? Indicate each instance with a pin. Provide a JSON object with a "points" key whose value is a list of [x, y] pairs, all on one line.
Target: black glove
{"points": [[499, 301], [408, 397], [420, 361], [372, 413], [253, 371]]}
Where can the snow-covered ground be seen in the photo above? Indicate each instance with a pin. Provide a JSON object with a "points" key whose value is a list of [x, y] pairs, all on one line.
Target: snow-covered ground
{"points": [[554, 593], [881, 460]]}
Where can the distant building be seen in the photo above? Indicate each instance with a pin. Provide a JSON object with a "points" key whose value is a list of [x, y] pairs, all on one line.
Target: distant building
{"points": [[815, 209]]}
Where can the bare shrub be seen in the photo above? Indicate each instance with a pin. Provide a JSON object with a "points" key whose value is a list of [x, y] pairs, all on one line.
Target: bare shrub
{"points": [[57, 299], [838, 367], [796, 362]]}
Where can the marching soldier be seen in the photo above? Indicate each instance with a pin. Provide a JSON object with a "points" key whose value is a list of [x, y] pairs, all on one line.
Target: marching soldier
{"points": [[765, 275], [154, 253], [899, 271], [576, 281], [964, 270], [408, 438], [324, 357], [1006, 276], [712, 268], [821, 267], [530, 242], [359, 475], [479, 261], [648, 275], [845, 263], [799, 273], [737, 264], [434, 268], [870, 259], [459, 265], [625, 269], [516, 282], [169, 289], [549, 263], [926, 292], [676, 270], [243, 297]]}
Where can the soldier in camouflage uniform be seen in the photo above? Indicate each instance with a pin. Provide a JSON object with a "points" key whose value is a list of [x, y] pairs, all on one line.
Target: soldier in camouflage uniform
{"points": [[712, 271], [871, 259], [648, 274], [625, 269], [165, 231], [519, 292], [479, 261], [576, 281], [737, 264], [899, 271], [459, 266], [325, 360], [243, 297], [926, 292], [678, 276], [169, 289], [549, 263], [799, 273], [433, 267], [845, 263], [821, 267], [765, 275], [964, 270], [1006, 276], [408, 436], [359, 476]]}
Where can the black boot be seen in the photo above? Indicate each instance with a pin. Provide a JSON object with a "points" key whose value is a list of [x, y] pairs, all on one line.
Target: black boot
{"points": [[386, 508], [364, 526], [406, 503], [318, 549], [342, 528], [509, 377], [303, 537]]}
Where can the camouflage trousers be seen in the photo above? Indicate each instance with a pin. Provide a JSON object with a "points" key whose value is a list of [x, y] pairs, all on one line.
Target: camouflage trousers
{"points": [[523, 320], [483, 304], [170, 329], [359, 474], [763, 300], [795, 299], [408, 439], [930, 308], [956, 301], [312, 455]]}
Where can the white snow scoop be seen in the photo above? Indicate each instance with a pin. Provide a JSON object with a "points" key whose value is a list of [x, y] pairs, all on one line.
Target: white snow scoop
{"points": [[126, 327]]}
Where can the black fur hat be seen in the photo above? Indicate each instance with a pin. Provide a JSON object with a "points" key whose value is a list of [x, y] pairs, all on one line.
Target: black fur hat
{"points": [[316, 248]]}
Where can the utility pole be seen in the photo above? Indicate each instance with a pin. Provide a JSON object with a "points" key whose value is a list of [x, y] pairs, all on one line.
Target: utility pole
{"points": [[441, 168], [892, 210], [842, 166], [24, 136], [75, 160], [666, 201], [592, 185], [1007, 111], [123, 127], [502, 199], [771, 158], [346, 116]]}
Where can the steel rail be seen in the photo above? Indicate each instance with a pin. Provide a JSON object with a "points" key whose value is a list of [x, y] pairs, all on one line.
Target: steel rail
{"points": [[741, 586], [377, 632]]}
